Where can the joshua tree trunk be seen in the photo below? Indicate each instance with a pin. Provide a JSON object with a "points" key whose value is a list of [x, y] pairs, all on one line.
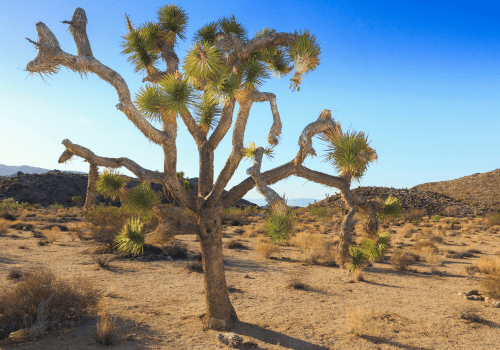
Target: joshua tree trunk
{"points": [[220, 312], [91, 197]]}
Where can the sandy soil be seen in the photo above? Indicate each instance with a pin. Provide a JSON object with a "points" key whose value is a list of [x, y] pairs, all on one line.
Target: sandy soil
{"points": [[160, 302]]}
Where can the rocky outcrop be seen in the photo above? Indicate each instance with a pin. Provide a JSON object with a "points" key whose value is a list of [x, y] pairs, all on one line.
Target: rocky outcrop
{"points": [[59, 187]]}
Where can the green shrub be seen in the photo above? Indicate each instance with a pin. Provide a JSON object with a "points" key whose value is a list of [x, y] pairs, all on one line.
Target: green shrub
{"points": [[392, 209], [9, 206], [318, 211], [56, 206], [436, 218], [494, 219], [78, 200]]}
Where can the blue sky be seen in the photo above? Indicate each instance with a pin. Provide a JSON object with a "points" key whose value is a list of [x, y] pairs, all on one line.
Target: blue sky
{"points": [[421, 78]]}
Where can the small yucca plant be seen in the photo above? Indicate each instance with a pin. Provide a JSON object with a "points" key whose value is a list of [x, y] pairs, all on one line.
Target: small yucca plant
{"points": [[131, 238], [376, 251], [358, 259], [392, 209], [111, 184], [280, 222]]}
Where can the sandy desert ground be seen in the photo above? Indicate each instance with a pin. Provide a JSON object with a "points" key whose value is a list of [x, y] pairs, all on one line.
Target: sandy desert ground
{"points": [[156, 304]]}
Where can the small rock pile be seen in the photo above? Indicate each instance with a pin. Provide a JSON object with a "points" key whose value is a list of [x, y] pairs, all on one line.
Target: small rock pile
{"points": [[59, 187], [474, 295], [432, 203]]}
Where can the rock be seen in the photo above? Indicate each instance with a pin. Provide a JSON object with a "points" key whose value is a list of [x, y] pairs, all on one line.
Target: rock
{"points": [[462, 293], [230, 339], [477, 297], [495, 304], [473, 292], [131, 336]]}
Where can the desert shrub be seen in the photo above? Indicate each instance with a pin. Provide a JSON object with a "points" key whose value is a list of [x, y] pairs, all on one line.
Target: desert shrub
{"points": [[177, 250], [78, 200], [318, 211], [432, 258], [43, 297], [266, 248], [392, 210], [295, 282], [493, 219], [103, 260], [436, 238], [423, 243], [107, 221], [56, 206], [195, 266], [407, 231], [9, 206], [106, 329], [401, 260], [53, 234], [252, 232], [414, 215], [234, 244], [489, 266], [436, 218], [491, 285]]}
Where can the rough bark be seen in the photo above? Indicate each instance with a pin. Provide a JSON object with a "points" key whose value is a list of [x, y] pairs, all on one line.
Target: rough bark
{"points": [[220, 312], [91, 198]]}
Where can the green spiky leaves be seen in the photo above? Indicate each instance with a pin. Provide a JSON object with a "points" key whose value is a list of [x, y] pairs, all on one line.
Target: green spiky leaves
{"points": [[275, 58], [142, 198], [131, 238], [111, 184], [207, 111], [179, 94], [141, 51], [250, 151], [207, 33], [358, 258], [280, 225], [173, 18], [202, 61], [349, 153], [254, 74], [305, 53], [230, 25], [150, 101], [376, 251], [392, 209]]}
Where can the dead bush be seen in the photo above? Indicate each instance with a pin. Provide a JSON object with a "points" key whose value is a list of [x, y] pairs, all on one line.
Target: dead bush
{"points": [[423, 243], [489, 266], [266, 248], [491, 285], [43, 297], [402, 259]]}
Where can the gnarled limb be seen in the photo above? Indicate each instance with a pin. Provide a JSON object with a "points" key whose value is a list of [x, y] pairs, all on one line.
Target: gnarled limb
{"points": [[243, 50], [193, 128], [225, 121], [179, 193], [323, 122], [271, 196], [50, 57]]}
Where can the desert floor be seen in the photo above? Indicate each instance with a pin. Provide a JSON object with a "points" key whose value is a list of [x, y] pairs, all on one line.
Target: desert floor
{"points": [[158, 303]]}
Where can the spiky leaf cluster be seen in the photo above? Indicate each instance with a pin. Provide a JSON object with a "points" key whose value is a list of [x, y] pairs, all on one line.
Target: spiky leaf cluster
{"points": [[280, 225], [110, 184], [207, 33], [230, 25], [207, 111], [250, 151], [358, 258], [349, 153], [275, 58], [392, 209], [178, 93], [131, 238], [142, 52], [173, 18], [305, 52], [150, 101], [202, 62], [254, 73], [142, 198], [376, 251]]}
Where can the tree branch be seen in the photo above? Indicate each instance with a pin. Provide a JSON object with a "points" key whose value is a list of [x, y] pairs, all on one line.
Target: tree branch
{"points": [[180, 194], [271, 196], [50, 56], [244, 50], [323, 122], [225, 122]]}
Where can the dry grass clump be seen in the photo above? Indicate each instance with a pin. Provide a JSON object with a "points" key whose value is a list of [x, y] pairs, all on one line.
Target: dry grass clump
{"points": [[489, 266], [423, 243], [470, 315], [316, 247], [431, 256], [234, 244], [406, 231], [103, 260], [266, 248], [195, 266], [413, 215], [491, 285], [41, 296], [253, 232], [106, 328], [295, 282], [402, 259], [53, 234]]}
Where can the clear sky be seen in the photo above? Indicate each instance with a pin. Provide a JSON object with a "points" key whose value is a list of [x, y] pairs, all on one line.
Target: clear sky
{"points": [[422, 78]]}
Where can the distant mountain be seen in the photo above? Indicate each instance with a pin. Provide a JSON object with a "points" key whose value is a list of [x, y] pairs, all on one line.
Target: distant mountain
{"points": [[292, 202], [11, 170]]}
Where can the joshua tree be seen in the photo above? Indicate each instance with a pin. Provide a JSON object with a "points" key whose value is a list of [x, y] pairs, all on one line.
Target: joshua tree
{"points": [[221, 68]]}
